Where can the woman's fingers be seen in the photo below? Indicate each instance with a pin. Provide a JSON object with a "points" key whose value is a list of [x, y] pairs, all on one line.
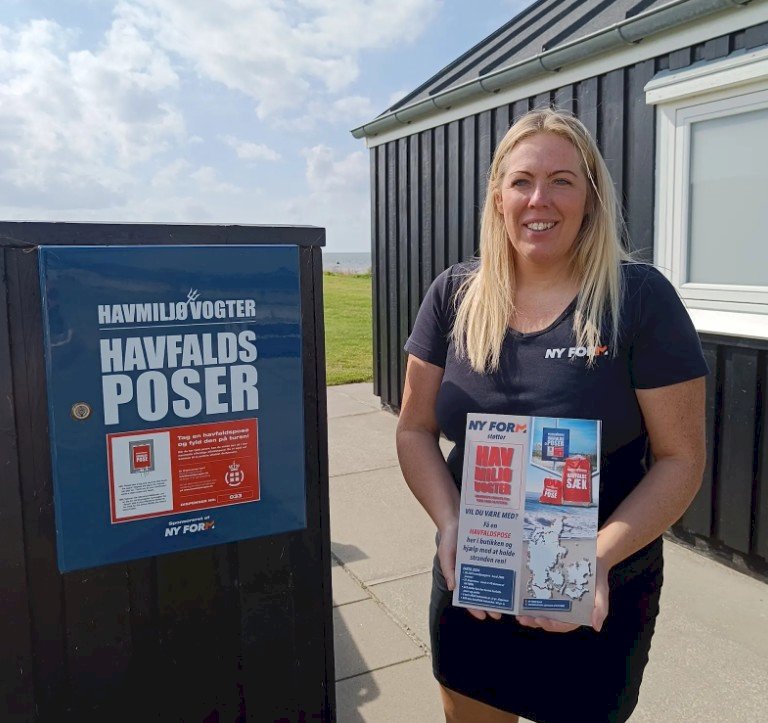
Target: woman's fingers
{"points": [[600, 611], [551, 626], [526, 621], [483, 614], [446, 554], [475, 613], [556, 626]]}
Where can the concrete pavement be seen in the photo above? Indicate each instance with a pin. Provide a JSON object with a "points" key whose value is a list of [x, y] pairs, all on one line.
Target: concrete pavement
{"points": [[709, 659]]}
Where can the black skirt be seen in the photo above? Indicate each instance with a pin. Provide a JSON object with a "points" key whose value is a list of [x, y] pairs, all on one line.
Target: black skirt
{"points": [[553, 677]]}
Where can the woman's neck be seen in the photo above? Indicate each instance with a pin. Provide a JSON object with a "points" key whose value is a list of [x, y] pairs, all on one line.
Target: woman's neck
{"points": [[535, 280], [541, 296]]}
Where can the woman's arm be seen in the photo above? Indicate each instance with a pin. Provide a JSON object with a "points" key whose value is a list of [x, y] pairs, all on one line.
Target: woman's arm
{"points": [[424, 468], [674, 418], [421, 460]]}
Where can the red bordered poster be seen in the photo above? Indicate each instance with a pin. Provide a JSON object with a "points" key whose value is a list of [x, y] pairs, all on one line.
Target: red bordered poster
{"points": [[170, 471]]}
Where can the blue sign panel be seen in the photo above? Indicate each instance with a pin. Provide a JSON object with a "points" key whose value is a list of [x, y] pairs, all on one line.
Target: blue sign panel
{"points": [[175, 397], [555, 444], [487, 587]]}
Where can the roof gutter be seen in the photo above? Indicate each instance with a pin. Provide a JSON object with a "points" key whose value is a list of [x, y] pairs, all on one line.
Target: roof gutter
{"points": [[627, 32]]}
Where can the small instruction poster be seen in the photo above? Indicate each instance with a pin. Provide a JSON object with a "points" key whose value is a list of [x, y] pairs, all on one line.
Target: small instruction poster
{"points": [[528, 517], [176, 470]]}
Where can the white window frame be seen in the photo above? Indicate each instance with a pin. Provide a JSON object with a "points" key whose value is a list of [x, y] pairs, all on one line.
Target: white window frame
{"points": [[733, 85]]}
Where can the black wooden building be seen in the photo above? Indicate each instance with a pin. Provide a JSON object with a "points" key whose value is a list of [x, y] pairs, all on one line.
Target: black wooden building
{"points": [[676, 93]]}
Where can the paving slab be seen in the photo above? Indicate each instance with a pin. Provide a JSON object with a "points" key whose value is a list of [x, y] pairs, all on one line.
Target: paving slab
{"points": [[345, 588], [366, 639], [402, 693], [361, 392], [361, 442], [732, 605], [407, 599], [341, 404], [708, 660], [378, 530]]}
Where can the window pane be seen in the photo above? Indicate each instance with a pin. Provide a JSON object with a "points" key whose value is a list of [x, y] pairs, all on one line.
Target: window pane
{"points": [[728, 222]]}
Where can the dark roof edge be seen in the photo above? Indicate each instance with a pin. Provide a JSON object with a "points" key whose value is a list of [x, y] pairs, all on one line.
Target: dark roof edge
{"points": [[625, 32], [456, 62]]}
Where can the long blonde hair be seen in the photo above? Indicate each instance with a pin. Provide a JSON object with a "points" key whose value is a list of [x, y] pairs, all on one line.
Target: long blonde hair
{"points": [[486, 297]]}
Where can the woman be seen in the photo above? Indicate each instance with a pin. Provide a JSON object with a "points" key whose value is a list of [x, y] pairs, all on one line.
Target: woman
{"points": [[552, 275]]}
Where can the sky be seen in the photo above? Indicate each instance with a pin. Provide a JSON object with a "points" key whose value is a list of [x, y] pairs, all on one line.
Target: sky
{"points": [[212, 111]]}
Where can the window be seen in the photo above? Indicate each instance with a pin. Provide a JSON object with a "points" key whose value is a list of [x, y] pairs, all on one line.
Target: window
{"points": [[712, 190]]}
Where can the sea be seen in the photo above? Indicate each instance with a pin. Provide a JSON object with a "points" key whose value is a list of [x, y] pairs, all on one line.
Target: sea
{"points": [[578, 522], [347, 263]]}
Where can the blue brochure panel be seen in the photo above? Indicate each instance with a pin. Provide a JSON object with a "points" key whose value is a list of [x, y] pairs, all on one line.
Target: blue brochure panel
{"points": [[175, 397]]}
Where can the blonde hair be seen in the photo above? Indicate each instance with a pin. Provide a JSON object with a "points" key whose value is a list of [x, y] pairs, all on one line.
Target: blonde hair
{"points": [[486, 297]]}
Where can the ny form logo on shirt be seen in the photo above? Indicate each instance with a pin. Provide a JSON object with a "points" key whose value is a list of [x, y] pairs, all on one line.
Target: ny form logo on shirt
{"points": [[570, 352]]}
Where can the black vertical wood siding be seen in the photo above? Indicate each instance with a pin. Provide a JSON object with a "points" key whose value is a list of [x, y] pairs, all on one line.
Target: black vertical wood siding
{"points": [[376, 247], [760, 502], [444, 203], [18, 692], [639, 160], [404, 261], [453, 208], [501, 123], [737, 448], [426, 239], [469, 182], [414, 220], [392, 314], [440, 260], [485, 146]]}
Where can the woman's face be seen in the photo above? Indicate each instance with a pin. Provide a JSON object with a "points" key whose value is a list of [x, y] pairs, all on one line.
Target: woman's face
{"points": [[542, 198]]}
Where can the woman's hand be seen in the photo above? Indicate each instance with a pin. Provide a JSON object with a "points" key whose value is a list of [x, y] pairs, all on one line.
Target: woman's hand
{"points": [[599, 612], [423, 465], [483, 614], [446, 555], [674, 418], [551, 626]]}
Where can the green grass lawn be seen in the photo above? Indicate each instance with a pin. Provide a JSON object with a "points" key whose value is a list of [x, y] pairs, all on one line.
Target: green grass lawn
{"points": [[348, 345]]}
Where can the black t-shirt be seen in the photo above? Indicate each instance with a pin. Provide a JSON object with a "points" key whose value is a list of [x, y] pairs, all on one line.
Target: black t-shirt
{"points": [[545, 373]]}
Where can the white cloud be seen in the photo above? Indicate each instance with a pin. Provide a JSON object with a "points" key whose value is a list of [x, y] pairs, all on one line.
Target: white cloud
{"points": [[338, 197], [352, 109], [367, 23], [346, 112], [74, 124], [208, 181], [327, 175], [248, 151], [275, 52], [171, 174], [96, 132]]}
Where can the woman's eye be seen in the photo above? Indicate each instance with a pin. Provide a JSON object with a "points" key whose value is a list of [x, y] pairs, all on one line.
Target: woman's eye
{"points": [[562, 182], [518, 182]]}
